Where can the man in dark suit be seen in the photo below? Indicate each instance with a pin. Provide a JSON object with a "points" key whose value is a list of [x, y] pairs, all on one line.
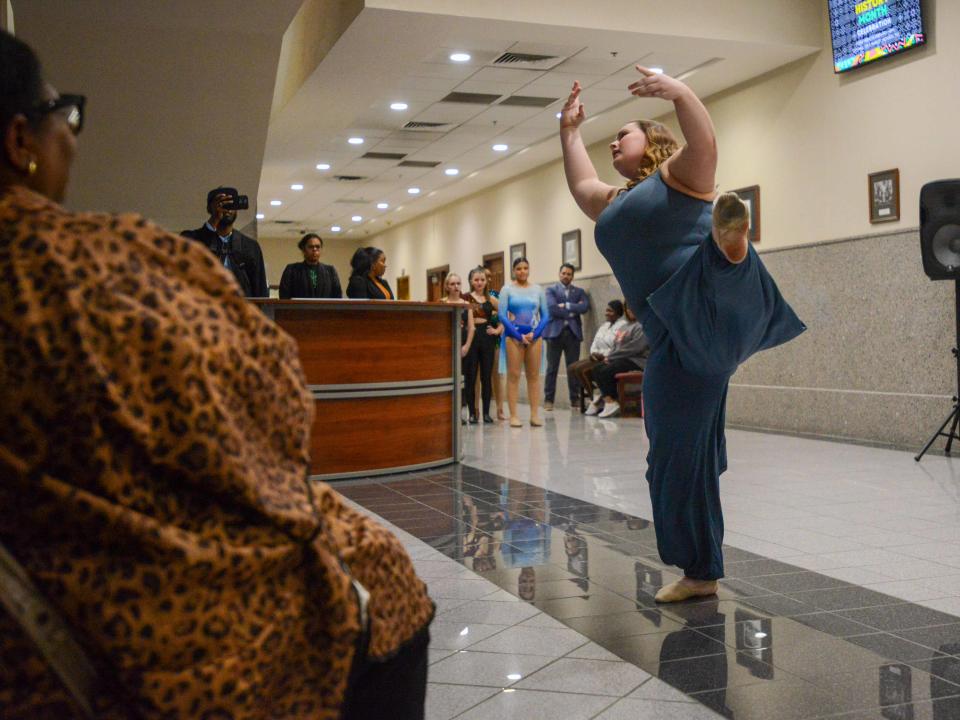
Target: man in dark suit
{"points": [[563, 333], [238, 253]]}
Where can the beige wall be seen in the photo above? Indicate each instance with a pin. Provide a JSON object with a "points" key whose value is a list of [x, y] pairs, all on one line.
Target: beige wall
{"points": [[278, 252], [806, 136]]}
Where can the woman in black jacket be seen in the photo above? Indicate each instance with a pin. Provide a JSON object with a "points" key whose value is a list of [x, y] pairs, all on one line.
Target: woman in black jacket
{"points": [[367, 281], [310, 278]]}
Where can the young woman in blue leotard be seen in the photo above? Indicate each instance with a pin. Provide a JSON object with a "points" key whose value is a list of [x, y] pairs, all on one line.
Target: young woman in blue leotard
{"points": [[524, 314], [705, 300]]}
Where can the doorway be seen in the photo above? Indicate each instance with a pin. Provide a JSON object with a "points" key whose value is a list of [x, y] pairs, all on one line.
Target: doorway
{"points": [[403, 287], [435, 279], [494, 263]]}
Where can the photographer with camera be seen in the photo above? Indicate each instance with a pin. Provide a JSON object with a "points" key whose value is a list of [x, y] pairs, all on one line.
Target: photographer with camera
{"points": [[238, 253]]}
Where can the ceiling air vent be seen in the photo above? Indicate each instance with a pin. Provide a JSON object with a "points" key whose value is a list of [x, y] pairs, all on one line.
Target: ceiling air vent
{"points": [[284, 222], [352, 201], [419, 163], [529, 101], [383, 156], [418, 125], [471, 98], [349, 178], [527, 61]]}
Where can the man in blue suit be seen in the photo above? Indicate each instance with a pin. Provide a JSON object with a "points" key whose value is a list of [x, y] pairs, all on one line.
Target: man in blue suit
{"points": [[564, 332]]}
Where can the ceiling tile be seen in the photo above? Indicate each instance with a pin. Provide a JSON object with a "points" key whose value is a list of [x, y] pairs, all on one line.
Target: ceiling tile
{"points": [[597, 61], [419, 83], [506, 76], [454, 113]]}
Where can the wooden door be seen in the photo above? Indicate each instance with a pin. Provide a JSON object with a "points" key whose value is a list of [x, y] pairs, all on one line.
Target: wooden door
{"points": [[403, 287], [494, 263], [435, 279]]}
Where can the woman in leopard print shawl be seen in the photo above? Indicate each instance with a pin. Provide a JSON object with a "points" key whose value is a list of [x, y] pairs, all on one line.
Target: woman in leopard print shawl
{"points": [[153, 455]]}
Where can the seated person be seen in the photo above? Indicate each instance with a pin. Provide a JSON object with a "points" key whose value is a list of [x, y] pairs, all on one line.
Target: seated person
{"points": [[630, 352], [154, 452], [602, 345], [310, 278]]}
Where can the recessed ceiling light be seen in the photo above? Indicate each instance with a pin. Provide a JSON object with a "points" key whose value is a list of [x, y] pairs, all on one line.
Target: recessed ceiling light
{"points": [[559, 115], [357, 218], [413, 191], [500, 147], [355, 141], [382, 206], [460, 57], [657, 70], [323, 166], [275, 203], [260, 216], [334, 228], [398, 106], [514, 676], [451, 171], [296, 186]]}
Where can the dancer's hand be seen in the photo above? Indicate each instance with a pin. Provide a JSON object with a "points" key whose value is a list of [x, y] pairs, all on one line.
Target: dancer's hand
{"points": [[492, 331], [657, 85], [464, 350], [572, 112], [528, 338]]}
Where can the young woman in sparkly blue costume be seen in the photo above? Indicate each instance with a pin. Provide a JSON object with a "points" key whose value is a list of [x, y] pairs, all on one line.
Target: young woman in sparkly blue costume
{"points": [[705, 300]]}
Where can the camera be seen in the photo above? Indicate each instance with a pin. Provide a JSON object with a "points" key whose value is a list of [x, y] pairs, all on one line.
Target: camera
{"points": [[237, 202]]}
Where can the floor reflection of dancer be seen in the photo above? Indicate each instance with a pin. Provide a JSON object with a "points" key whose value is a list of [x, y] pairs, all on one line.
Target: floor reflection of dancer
{"points": [[527, 304], [705, 300]]}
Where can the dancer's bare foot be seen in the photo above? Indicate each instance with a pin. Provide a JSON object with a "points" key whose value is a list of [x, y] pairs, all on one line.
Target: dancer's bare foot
{"points": [[686, 588], [515, 422], [500, 415], [536, 422], [731, 227]]}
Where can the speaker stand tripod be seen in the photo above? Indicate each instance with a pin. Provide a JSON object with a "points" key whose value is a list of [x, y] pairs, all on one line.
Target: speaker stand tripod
{"points": [[953, 419]]}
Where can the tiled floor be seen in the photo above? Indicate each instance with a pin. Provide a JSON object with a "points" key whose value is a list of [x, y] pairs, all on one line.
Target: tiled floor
{"points": [[841, 598]]}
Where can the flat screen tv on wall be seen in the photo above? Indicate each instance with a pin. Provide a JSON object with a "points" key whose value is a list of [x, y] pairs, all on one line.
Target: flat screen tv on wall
{"points": [[867, 30]]}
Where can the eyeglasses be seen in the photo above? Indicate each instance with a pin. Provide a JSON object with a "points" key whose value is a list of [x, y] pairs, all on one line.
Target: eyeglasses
{"points": [[71, 106]]}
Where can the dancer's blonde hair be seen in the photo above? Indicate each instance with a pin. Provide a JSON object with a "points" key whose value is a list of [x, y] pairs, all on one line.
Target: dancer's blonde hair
{"points": [[661, 144]]}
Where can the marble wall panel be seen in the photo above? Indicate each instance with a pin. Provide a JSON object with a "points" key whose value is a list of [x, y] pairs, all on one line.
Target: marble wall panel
{"points": [[875, 364]]}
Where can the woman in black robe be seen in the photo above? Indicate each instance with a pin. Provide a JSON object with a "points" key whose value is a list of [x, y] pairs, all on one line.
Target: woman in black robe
{"points": [[310, 278]]}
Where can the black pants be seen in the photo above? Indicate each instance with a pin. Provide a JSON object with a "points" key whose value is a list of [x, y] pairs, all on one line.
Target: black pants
{"points": [[394, 689], [605, 374], [567, 344], [479, 359]]}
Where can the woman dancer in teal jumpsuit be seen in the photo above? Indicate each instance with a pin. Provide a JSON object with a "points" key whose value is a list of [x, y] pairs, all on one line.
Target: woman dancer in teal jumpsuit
{"points": [[705, 300]]}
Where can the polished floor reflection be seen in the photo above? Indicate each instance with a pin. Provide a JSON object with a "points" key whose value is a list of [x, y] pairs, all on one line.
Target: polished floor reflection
{"points": [[779, 640]]}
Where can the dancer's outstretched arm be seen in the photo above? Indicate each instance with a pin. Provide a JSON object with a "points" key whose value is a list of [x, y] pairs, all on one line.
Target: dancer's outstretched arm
{"points": [[695, 164], [592, 196]]}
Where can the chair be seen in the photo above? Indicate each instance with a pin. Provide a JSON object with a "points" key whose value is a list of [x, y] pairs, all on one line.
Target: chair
{"points": [[630, 393]]}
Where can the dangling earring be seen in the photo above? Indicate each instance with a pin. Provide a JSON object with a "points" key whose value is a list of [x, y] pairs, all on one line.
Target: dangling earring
{"points": [[32, 167]]}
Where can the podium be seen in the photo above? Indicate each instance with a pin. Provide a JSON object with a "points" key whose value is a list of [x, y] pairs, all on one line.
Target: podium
{"points": [[385, 378]]}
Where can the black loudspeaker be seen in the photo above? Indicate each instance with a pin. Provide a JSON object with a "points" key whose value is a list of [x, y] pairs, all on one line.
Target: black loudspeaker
{"points": [[940, 229]]}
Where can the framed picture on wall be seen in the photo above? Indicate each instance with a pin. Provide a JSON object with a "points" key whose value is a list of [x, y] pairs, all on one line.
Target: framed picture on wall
{"points": [[516, 251], [570, 247], [751, 196], [884, 190]]}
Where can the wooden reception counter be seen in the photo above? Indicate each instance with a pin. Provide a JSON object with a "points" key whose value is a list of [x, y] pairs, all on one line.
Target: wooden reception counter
{"points": [[383, 376]]}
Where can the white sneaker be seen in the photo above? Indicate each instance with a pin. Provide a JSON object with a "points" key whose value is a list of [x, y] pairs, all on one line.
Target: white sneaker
{"points": [[593, 408], [610, 409]]}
